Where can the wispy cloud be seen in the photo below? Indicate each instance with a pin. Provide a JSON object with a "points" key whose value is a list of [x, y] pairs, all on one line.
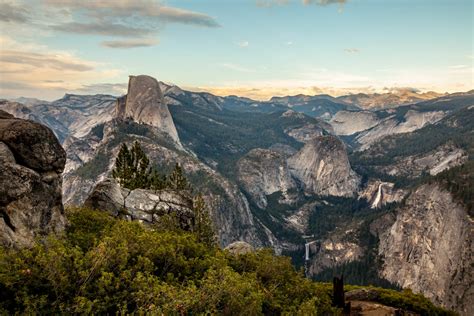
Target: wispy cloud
{"points": [[270, 3], [351, 50], [13, 13], [33, 70], [131, 43], [101, 28], [140, 19], [289, 43], [324, 2], [235, 67], [104, 88], [243, 44]]}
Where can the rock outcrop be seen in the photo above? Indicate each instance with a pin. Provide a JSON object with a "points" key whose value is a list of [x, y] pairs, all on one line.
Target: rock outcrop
{"points": [[429, 249], [145, 104], [378, 193], [412, 120], [262, 172], [240, 248], [350, 122], [441, 158], [31, 164], [142, 205], [323, 168], [341, 246]]}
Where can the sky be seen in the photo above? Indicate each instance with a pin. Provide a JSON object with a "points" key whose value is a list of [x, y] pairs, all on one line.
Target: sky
{"points": [[252, 48]]}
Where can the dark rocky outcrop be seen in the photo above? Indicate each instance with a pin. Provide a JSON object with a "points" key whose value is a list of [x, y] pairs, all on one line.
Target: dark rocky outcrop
{"points": [[31, 164], [142, 205]]}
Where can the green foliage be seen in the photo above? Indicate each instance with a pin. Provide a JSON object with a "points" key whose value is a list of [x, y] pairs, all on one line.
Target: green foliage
{"points": [[131, 168], [406, 300], [116, 266], [203, 227], [176, 180], [94, 167], [459, 181], [108, 266]]}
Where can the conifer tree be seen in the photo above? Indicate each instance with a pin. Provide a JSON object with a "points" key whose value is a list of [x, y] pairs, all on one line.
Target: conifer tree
{"points": [[131, 167], [158, 181], [177, 181], [122, 171], [203, 227]]}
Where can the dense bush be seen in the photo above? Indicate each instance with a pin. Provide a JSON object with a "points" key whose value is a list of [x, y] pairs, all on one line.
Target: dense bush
{"points": [[102, 265]]}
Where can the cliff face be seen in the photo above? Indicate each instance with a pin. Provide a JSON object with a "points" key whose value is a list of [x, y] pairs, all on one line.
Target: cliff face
{"points": [[429, 248], [263, 172], [145, 104], [31, 164], [378, 193], [323, 168]]}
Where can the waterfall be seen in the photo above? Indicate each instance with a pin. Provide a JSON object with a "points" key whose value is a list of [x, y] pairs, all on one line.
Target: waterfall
{"points": [[306, 249], [378, 197], [306, 254]]}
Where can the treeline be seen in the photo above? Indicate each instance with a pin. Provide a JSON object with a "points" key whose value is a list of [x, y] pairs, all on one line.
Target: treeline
{"points": [[460, 182], [132, 170]]}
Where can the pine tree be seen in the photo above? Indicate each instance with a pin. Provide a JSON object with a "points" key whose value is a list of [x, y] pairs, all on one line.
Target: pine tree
{"points": [[131, 167], [122, 171], [177, 181], [158, 181], [140, 170], [203, 227]]}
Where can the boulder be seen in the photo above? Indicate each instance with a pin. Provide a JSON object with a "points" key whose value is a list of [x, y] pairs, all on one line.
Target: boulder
{"points": [[146, 206], [31, 163], [240, 248]]}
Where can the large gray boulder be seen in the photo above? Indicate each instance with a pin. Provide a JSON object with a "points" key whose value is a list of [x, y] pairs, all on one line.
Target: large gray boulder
{"points": [[142, 205], [31, 164]]}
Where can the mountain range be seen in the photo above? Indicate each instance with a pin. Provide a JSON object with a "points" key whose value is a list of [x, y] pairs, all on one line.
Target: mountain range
{"points": [[379, 186]]}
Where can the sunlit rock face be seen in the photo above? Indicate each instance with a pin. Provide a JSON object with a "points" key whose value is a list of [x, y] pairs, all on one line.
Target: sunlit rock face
{"points": [[379, 193], [323, 168], [31, 164], [144, 104], [429, 249], [262, 172]]}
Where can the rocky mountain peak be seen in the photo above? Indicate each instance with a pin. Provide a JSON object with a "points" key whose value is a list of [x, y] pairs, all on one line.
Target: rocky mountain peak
{"points": [[144, 103]]}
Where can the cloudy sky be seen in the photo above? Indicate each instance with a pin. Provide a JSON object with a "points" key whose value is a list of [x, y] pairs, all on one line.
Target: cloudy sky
{"points": [[255, 48]]}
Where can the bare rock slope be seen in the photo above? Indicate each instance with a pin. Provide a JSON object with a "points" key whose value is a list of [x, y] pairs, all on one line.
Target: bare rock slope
{"points": [[145, 104], [323, 167], [31, 164], [429, 249]]}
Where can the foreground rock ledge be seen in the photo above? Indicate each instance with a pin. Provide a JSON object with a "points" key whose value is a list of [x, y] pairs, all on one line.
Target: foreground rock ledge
{"points": [[31, 164]]}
